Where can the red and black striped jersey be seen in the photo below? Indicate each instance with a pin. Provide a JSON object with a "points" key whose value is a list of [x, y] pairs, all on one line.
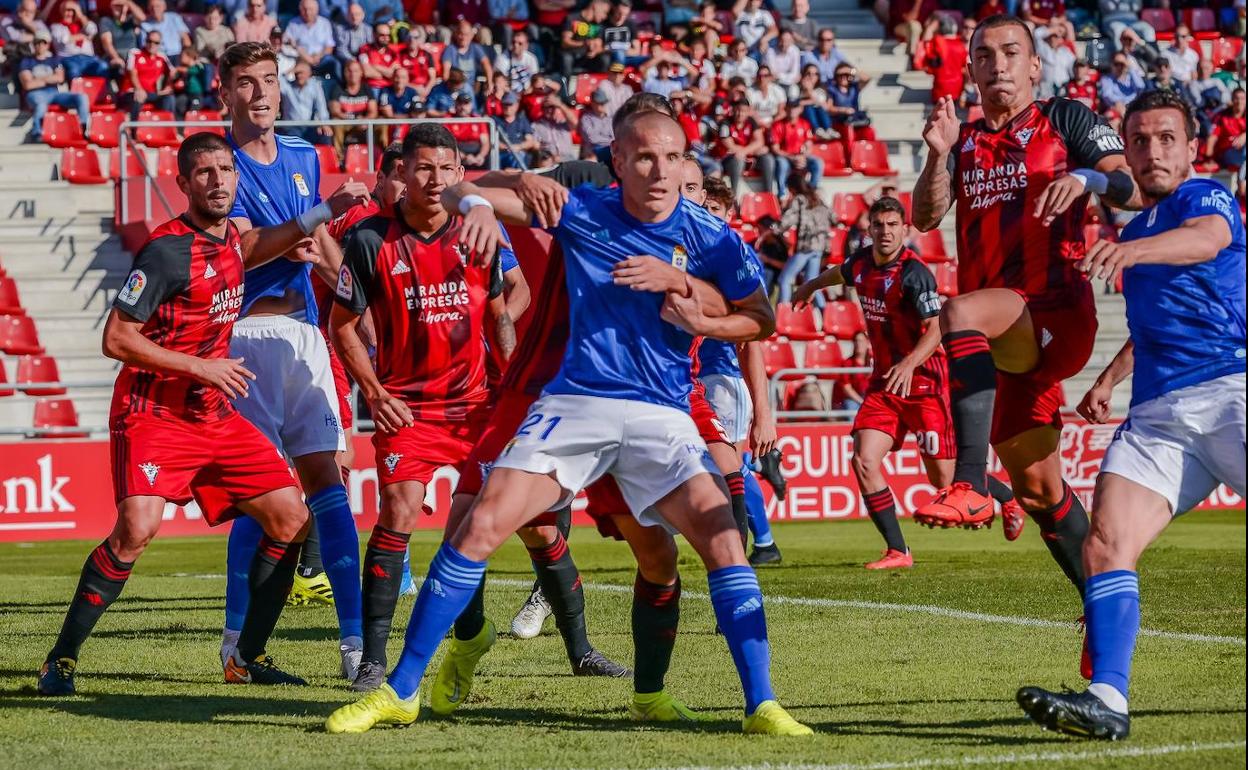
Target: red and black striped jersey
{"points": [[338, 229], [897, 298], [998, 177], [429, 307], [186, 286]]}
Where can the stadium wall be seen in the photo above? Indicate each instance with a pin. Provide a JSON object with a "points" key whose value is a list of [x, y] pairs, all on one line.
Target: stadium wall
{"points": [[59, 490]]}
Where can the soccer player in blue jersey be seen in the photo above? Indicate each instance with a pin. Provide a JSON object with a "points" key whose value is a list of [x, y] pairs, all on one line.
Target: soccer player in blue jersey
{"points": [[292, 401], [1182, 266], [618, 406]]}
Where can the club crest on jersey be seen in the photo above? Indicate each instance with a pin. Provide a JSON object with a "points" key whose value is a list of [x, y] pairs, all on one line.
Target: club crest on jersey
{"points": [[400, 267], [133, 289], [461, 250], [149, 471], [344, 287], [888, 283], [300, 184], [680, 258], [392, 461], [969, 144], [1024, 136]]}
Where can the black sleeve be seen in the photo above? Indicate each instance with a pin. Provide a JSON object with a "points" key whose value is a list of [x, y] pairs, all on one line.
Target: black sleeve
{"points": [[1087, 136], [574, 173], [847, 269], [161, 270], [496, 276], [359, 264], [918, 286]]}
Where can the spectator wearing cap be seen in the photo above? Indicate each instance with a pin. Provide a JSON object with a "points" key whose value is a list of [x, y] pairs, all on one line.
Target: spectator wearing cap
{"points": [[1057, 58], [741, 144], [379, 59], [1226, 141], [41, 75], [784, 59], [619, 34], [466, 55], [582, 48], [517, 62], [303, 99], [473, 138], [753, 24], [738, 64], [396, 100], [844, 103], [553, 130], [767, 96], [312, 38], [148, 79], [805, 31], [825, 57], [72, 36], [1163, 80], [287, 55], [516, 132], [441, 101], [255, 23], [615, 88], [509, 17], [119, 35], [1081, 88], [353, 33], [1119, 86], [1182, 57], [790, 140], [352, 100], [174, 33], [20, 29], [595, 125], [1119, 14]]}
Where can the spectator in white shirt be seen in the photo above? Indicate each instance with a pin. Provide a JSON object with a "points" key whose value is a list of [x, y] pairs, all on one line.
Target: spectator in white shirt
{"points": [[1183, 58], [785, 60], [71, 40], [754, 26], [312, 37], [518, 63], [174, 33], [738, 64], [1057, 60], [615, 88], [766, 97]]}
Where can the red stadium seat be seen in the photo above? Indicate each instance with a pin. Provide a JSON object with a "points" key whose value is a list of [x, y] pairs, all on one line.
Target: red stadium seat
{"points": [[18, 336], [870, 158], [357, 160], [1161, 20], [1226, 51], [10, 301], [833, 156], [824, 354], [797, 324], [843, 319], [435, 50], [203, 116], [837, 238], [156, 136], [747, 231], [946, 279], [166, 162], [63, 129], [329, 159], [96, 90], [81, 166], [931, 247], [4, 380], [1202, 22], [846, 207], [907, 201], [56, 413], [136, 163], [777, 355], [105, 128], [586, 85], [755, 205], [32, 368]]}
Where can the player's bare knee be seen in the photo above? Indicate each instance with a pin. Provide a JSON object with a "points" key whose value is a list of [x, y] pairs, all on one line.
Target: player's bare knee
{"points": [[128, 543], [399, 513], [537, 537], [865, 467], [957, 314]]}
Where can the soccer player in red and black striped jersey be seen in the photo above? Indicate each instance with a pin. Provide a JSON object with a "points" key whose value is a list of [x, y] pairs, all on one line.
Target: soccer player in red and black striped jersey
{"points": [[1024, 318], [908, 391], [175, 435], [433, 314]]}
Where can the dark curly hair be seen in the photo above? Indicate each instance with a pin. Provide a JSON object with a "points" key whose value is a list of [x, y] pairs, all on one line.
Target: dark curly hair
{"points": [[1161, 99]]}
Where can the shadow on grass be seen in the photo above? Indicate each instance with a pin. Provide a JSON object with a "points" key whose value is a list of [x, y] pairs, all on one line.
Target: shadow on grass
{"points": [[187, 709]]}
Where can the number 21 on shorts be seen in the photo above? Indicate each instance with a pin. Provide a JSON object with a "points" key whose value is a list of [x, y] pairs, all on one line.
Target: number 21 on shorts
{"points": [[536, 421]]}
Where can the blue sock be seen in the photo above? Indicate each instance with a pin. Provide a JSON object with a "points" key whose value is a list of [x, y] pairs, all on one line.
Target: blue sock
{"points": [[757, 507], [1112, 609], [340, 552], [407, 581], [240, 550], [449, 586], [738, 604]]}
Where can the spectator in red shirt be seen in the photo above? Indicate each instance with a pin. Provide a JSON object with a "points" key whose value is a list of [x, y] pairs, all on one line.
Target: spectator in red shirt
{"points": [[741, 144], [473, 138], [1081, 88], [944, 58], [1226, 141], [379, 59], [906, 19], [147, 80], [1039, 13], [990, 8], [791, 139], [416, 58]]}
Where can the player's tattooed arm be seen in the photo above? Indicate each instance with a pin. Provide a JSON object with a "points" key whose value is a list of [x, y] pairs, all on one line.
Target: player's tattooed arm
{"points": [[933, 193], [504, 333], [519, 295], [1096, 404], [124, 342]]}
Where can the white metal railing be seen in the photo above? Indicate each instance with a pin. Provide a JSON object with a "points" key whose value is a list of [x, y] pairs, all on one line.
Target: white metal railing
{"points": [[777, 382]]}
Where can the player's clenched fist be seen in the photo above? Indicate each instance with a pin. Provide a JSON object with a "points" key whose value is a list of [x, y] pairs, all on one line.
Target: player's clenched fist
{"points": [[346, 197], [480, 235], [1107, 260], [544, 197], [1095, 406], [389, 413], [941, 131], [227, 375]]}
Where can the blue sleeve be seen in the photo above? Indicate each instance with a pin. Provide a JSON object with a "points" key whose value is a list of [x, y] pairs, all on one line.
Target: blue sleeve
{"points": [[734, 267], [238, 211], [315, 166], [574, 206], [506, 255], [1203, 198]]}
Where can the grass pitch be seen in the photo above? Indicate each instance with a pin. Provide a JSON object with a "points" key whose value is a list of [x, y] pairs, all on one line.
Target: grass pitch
{"points": [[913, 669]]}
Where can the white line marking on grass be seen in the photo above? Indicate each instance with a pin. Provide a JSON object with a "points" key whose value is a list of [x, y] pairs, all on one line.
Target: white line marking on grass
{"points": [[925, 609]]}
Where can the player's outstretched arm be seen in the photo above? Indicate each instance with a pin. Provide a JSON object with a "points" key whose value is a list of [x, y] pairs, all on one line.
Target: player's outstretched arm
{"points": [[124, 342], [933, 193], [830, 277], [754, 371], [1196, 240], [544, 196], [264, 244], [1095, 406]]}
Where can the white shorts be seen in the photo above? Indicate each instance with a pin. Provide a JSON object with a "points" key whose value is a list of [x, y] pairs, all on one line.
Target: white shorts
{"points": [[649, 449], [731, 401], [1184, 443], [292, 400]]}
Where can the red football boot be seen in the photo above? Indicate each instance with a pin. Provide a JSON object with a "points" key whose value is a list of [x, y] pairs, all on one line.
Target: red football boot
{"points": [[958, 505], [1085, 658], [1012, 520], [892, 559]]}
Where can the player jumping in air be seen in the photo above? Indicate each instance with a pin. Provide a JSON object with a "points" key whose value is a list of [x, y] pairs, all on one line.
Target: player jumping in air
{"points": [[617, 406], [175, 435], [293, 400], [1024, 318], [1182, 267]]}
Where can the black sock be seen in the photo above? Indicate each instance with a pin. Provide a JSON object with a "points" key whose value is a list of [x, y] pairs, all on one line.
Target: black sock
{"points": [[1063, 529], [561, 585], [740, 514], [383, 576], [472, 619], [103, 577], [883, 513], [310, 556], [656, 612], [272, 574], [998, 490], [563, 521], [973, 391]]}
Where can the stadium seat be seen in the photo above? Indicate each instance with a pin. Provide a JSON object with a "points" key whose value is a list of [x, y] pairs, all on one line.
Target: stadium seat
{"points": [[56, 413], [18, 336], [833, 156], [4, 380], [846, 207], [842, 319], [586, 84], [435, 50], [357, 160], [203, 116], [754, 206], [1161, 20], [81, 166], [837, 238], [96, 90], [777, 355], [946, 279], [824, 354], [166, 162], [329, 159], [747, 231], [63, 129], [870, 158], [797, 324], [10, 302], [32, 368], [1226, 51], [1202, 22], [156, 136], [105, 128], [931, 247], [136, 162]]}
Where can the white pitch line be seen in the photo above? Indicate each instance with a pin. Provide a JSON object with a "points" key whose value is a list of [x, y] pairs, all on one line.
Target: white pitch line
{"points": [[1001, 760]]}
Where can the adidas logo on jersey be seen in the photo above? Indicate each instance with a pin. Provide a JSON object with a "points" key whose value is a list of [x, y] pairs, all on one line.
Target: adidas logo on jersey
{"points": [[150, 470], [1045, 338], [400, 268], [969, 144], [392, 461], [210, 273], [746, 607]]}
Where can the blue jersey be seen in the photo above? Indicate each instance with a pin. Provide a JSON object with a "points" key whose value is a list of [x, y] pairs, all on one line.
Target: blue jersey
{"points": [[271, 194], [1187, 322], [618, 346], [718, 357]]}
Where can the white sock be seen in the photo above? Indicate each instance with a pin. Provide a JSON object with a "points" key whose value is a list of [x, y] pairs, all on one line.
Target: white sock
{"points": [[1110, 696], [351, 642], [229, 637]]}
